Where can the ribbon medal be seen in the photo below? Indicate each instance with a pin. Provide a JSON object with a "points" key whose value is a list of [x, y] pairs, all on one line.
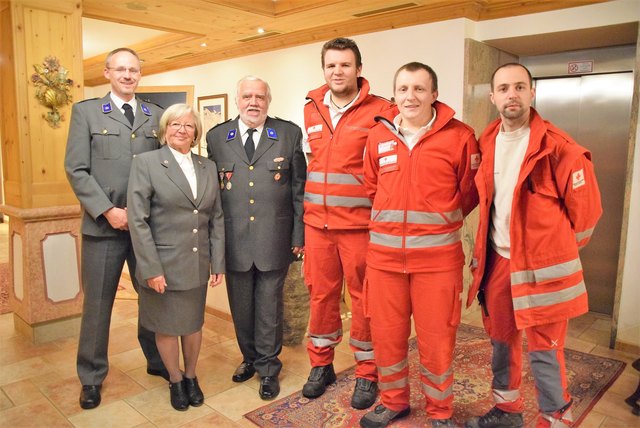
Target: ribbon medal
{"points": [[228, 175]]}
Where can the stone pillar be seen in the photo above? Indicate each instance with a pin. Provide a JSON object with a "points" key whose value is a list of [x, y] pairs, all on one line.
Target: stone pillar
{"points": [[44, 216]]}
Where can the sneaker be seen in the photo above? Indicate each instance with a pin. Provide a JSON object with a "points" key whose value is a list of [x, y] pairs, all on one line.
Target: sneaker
{"points": [[442, 423], [364, 394], [381, 417], [318, 380], [496, 418]]}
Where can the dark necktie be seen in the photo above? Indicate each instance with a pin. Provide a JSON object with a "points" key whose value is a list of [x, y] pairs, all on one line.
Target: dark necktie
{"points": [[249, 145], [128, 112]]}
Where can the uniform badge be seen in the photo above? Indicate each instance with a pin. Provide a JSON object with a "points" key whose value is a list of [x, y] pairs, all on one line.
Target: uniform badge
{"points": [[578, 179], [475, 160], [231, 135], [271, 133], [387, 146], [277, 176], [314, 128], [145, 109], [106, 108], [279, 159]]}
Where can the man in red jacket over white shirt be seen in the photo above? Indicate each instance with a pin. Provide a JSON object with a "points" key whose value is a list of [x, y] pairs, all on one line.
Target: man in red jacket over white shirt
{"points": [[539, 204], [418, 169], [336, 215]]}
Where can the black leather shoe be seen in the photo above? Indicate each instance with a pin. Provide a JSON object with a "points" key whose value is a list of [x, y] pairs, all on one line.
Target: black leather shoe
{"points": [[364, 394], [318, 380], [245, 371], [196, 397], [269, 387], [90, 396], [179, 398], [159, 372]]}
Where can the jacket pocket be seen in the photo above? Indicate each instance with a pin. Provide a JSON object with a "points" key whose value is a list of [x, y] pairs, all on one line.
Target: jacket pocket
{"points": [[105, 143]]}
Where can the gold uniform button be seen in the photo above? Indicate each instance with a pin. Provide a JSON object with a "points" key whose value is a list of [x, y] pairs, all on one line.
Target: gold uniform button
{"points": [[250, 167], [251, 184], [279, 167], [195, 250], [251, 201], [195, 230], [104, 131], [252, 218], [133, 135], [195, 211], [135, 156]]}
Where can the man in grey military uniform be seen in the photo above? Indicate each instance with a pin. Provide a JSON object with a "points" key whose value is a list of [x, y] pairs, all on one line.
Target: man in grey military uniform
{"points": [[262, 172], [104, 135]]}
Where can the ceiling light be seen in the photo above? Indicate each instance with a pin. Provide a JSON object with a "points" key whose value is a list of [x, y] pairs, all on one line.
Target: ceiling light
{"points": [[203, 45], [260, 30]]}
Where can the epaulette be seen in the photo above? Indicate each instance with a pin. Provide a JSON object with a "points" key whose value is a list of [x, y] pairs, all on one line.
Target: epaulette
{"points": [[88, 99], [285, 120], [220, 124], [140, 100]]}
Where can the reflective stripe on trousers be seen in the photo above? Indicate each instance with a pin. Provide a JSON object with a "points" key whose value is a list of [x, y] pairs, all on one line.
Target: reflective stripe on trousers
{"points": [[326, 340]]}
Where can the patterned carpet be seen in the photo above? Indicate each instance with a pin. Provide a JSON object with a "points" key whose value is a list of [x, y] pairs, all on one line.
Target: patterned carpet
{"points": [[589, 377]]}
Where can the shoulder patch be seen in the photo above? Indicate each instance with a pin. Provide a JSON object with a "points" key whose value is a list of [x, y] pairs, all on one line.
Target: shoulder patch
{"points": [[88, 99]]}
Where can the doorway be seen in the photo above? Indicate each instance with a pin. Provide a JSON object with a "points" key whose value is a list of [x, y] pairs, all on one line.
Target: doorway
{"points": [[595, 110]]}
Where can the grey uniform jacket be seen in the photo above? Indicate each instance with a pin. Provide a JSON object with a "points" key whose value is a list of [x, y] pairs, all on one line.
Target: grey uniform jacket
{"points": [[172, 233], [262, 200], [100, 147]]}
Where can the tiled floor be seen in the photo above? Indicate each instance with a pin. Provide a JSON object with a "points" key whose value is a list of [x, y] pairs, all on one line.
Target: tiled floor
{"points": [[39, 387]]}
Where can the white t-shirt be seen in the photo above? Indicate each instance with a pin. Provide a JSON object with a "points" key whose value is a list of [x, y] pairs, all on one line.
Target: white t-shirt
{"points": [[510, 150]]}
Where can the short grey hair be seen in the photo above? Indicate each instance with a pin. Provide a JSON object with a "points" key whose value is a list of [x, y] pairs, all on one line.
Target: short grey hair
{"points": [[251, 78], [176, 111]]}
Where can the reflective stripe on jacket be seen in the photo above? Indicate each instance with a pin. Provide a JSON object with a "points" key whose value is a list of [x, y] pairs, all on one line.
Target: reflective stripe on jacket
{"points": [[420, 197], [556, 205], [334, 193]]}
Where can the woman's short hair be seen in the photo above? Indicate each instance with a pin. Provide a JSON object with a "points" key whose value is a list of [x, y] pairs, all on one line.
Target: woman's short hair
{"points": [[176, 111]]}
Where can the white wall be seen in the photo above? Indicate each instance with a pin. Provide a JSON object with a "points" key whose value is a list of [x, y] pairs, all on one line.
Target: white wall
{"points": [[294, 71]]}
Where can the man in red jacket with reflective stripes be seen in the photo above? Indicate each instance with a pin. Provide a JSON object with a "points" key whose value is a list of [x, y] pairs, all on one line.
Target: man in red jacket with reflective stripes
{"points": [[419, 168], [539, 204], [336, 214]]}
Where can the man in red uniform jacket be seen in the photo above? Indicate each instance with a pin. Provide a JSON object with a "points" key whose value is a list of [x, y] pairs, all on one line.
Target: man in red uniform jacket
{"points": [[419, 168], [539, 204], [336, 214]]}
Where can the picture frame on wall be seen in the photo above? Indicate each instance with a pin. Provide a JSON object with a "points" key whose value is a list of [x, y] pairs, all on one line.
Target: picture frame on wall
{"points": [[165, 96], [213, 110]]}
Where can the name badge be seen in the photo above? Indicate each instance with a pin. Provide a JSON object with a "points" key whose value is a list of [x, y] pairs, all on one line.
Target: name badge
{"points": [[388, 160], [314, 128], [387, 146]]}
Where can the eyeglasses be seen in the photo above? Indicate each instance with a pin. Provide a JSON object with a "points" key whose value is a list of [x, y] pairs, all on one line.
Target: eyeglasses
{"points": [[188, 127], [122, 70]]}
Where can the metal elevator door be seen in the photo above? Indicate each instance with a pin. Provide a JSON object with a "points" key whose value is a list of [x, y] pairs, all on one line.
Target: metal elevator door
{"points": [[595, 110]]}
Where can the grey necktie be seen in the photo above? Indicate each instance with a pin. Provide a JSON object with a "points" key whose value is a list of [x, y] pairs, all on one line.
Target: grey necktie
{"points": [[128, 113], [249, 145]]}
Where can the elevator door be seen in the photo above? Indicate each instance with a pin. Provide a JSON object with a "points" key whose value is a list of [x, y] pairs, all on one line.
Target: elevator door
{"points": [[595, 110]]}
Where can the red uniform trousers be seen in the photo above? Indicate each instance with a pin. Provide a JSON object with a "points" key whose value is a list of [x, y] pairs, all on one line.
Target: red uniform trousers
{"points": [[434, 300], [330, 256], [545, 348]]}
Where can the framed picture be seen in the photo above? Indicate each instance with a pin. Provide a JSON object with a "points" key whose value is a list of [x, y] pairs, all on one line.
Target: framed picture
{"points": [[213, 110], [165, 96]]}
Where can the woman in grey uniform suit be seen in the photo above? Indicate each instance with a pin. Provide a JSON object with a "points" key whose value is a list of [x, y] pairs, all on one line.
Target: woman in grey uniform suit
{"points": [[177, 230]]}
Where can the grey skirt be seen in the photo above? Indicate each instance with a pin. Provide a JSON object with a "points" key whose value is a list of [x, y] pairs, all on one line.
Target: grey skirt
{"points": [[174, 313]]}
